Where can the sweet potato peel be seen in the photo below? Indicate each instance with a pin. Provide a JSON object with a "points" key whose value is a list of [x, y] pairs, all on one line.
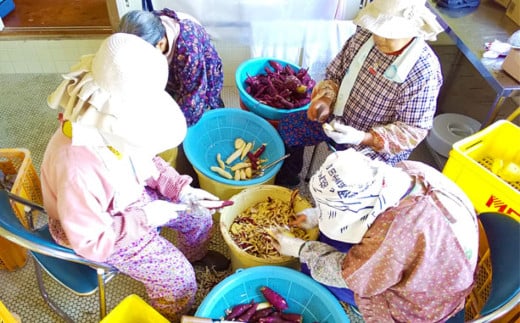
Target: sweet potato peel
{"points": [[250, 230]]}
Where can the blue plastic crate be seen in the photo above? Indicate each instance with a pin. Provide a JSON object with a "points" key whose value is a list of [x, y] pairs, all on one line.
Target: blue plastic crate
{"points": [[303, 294], [6, 6], [254, 67]]}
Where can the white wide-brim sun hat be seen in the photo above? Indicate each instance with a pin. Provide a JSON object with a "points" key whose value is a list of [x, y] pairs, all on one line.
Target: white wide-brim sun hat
{"points": [[396, 19], [119, 94]]}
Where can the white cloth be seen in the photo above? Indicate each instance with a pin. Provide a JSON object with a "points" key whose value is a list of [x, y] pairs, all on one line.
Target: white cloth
{"points": [[230, 21], [350, 77], [322, 41], [268, 41], [351, 190], [399, 69], [311, 44], [160, 212]]}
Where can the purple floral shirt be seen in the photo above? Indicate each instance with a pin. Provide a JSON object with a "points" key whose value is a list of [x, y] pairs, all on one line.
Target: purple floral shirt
{"points": [[195, 73]]}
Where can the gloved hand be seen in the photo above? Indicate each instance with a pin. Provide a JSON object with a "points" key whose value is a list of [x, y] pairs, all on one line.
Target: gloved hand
{"points": [[343, 134], [307, 219], [190, 195], [287, 245], [160, 212]]}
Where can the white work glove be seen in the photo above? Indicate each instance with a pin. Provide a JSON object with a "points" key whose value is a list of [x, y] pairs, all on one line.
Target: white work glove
{"points": [[286, 245], [343, 134], [190, 195], [160, 212], [307, 219]]}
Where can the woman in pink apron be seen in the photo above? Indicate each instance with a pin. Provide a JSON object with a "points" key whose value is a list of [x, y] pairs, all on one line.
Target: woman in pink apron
{"points": [[106, 193], [399, 242]]}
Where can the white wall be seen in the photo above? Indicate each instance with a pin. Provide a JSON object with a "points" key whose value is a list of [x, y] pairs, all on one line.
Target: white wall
{"points": [[57, 56], [43, 56]]}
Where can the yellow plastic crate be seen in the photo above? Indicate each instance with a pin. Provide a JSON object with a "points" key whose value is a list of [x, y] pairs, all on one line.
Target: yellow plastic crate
{"points": [[470, 162], [21, 178], [482, 289], [6, 316], [134, 309], [17, 164]]}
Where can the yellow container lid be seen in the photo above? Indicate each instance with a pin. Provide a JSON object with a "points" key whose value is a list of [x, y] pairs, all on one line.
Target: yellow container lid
{"points": [[133, 309]]}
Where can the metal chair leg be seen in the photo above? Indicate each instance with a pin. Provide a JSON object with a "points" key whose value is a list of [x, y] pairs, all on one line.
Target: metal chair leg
{"points": [[311, 163], [45, 295], [513, 115], [101, 274], [313, 159]]}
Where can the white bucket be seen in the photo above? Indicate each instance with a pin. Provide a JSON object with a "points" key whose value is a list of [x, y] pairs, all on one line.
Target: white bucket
{"points": [[448, 128]]}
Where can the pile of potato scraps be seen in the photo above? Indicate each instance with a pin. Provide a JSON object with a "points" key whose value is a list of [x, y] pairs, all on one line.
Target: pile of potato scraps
{"points": [[250, 230]]}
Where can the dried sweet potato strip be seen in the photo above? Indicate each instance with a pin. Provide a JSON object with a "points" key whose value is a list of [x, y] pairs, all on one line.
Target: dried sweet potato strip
{"points": [[250, 229]]}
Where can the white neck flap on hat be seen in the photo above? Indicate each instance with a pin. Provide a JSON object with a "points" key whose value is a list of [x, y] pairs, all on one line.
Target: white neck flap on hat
{"points": [[120, 93], [351, 190]]}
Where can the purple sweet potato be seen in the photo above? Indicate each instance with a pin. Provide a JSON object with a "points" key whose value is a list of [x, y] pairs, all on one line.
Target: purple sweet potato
{"points": [[274, 298], [260, 151], [277, 66], [261, 313], [280, 86], [237, 310], [246, 316]]}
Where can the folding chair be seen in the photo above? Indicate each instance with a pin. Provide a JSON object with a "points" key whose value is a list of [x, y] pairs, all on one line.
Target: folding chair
{"points": [[79, 275]]}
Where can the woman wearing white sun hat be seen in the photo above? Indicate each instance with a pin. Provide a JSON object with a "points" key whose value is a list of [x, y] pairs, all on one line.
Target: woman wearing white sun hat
{"points": [[399, 242], [379, 93], [105, 191]]}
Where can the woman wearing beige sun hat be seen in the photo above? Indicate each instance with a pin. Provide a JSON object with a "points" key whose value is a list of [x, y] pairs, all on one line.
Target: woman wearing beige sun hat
{"points": [[105, 191], [380, 92], [399, 242]]}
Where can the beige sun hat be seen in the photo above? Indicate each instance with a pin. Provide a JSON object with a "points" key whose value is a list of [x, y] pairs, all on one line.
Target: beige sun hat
{"points": [[351, 190], [117, 98], [396, 19]]}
